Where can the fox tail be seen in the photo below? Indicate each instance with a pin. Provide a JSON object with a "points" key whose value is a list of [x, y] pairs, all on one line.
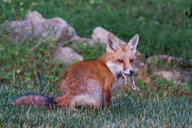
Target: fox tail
{"points": [[35, 100]]}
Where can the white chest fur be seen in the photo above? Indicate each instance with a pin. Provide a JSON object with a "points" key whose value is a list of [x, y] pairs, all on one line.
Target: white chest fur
{"points": [[115, 84], [115, 69]]}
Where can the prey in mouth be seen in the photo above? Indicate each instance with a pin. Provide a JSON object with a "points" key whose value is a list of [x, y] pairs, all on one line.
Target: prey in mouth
{"points": [[131, 75]]}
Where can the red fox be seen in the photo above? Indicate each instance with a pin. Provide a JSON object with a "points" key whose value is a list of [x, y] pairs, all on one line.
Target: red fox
{"points": [[90, 83]]}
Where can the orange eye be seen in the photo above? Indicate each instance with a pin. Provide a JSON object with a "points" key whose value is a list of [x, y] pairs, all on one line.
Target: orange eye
{"points": [[120, 60], [131, 60]]}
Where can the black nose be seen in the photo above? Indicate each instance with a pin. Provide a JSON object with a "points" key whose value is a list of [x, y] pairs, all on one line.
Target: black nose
{"points": [[131, 72]]}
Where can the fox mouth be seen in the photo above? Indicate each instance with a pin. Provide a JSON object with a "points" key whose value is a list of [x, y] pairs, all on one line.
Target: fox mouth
{"points": [[133, 87], [129, 75]]}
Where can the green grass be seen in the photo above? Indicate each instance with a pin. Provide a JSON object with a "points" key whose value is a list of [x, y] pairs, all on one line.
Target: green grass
{"points": [[164, 26], [127, 110]]}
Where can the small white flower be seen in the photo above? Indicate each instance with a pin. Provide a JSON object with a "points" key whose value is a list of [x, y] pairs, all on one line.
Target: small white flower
{"points": [[7, 1], [21, 3]]}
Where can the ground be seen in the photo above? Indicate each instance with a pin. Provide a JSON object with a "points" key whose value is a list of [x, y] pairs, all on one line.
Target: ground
{"points": [[127, 110]]}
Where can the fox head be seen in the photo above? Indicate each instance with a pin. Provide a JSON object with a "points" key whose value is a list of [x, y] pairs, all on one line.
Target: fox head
{"points": [[120, 58]]}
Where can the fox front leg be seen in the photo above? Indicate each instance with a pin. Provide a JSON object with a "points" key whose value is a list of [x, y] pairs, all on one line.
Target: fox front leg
{"points": [[108, 97]]}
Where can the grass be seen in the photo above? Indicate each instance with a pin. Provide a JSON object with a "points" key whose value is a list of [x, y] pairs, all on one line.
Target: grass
{"points": [[164, 28], [127, 110]]}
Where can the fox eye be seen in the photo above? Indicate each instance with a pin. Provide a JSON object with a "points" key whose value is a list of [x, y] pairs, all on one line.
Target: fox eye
{"points": [[120, 60], [131, 60]]}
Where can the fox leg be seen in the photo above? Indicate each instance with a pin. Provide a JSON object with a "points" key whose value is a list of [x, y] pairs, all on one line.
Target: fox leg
{"points": [[108, 97], [85, 100]]}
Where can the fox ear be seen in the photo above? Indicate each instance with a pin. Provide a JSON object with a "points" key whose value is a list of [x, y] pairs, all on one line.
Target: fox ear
{"points": [[132, 44], [112, 44]]}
